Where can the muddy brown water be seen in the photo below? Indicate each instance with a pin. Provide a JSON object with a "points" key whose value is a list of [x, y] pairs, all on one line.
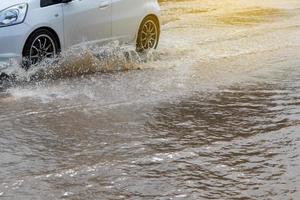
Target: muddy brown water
{"points": [[213, 114]]}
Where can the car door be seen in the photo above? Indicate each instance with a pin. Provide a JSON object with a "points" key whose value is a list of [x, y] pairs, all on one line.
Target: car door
{"points": [[87, 20], [49, 14], [126, 16]]}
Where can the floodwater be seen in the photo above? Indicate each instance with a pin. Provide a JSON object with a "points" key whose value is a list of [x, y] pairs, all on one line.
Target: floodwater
{"points": [[214, 113]]}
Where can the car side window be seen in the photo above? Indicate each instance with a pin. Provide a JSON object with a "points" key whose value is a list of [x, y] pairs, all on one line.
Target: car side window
{"points": [[45, 3]]}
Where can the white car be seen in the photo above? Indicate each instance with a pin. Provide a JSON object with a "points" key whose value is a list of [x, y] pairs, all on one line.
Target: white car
{"points": [[37, 29]]}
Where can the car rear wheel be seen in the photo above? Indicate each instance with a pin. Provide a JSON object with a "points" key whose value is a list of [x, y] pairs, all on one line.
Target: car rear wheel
{"points": [[41, 44], [148, 35]]}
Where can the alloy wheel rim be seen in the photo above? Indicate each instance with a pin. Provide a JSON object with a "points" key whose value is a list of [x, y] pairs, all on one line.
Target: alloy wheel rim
{"points": [[149, 35], [42, 47]]}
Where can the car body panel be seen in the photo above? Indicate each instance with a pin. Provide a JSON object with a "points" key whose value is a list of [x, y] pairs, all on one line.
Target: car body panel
{"points": [[125, 24], [12, 40], [75, 22], [87, 20]]}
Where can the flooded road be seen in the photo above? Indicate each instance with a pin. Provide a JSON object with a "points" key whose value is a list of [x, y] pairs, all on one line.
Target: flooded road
{"points": [[214, 113]]}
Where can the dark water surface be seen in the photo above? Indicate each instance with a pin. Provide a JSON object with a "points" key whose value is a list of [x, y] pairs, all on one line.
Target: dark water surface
{"points": [[214, 115]]}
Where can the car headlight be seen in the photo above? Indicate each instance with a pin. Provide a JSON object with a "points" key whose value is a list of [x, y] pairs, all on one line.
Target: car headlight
{"points": [[13, 15]]}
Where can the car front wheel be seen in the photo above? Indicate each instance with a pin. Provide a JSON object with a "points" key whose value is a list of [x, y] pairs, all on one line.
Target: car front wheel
{"points": [[41, 44]]}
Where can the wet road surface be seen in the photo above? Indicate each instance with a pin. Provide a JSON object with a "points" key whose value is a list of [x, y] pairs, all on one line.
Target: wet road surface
{"points": [[214, 113]]}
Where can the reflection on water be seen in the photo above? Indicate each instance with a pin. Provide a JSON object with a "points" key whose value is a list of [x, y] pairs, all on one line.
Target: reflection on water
{"points": [[213, 113], [252, 16]]}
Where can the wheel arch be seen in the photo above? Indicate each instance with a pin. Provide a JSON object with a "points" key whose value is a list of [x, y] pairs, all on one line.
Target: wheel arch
{"points": [[150, 15], [154, 16]]}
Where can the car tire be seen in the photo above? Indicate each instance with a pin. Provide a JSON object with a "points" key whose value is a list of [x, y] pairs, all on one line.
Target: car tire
{"points": [[40, 44], [148, 34]]}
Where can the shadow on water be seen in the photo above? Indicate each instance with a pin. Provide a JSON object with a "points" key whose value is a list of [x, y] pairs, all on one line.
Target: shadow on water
{"points": [[225, 116], [210, 160]]}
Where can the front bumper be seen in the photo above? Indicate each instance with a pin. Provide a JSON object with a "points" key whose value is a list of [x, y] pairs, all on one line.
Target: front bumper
{"points": [[12, 40]]}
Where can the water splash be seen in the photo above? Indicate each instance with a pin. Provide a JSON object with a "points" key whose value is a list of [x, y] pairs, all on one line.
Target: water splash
{"points": [[79, 60]]}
